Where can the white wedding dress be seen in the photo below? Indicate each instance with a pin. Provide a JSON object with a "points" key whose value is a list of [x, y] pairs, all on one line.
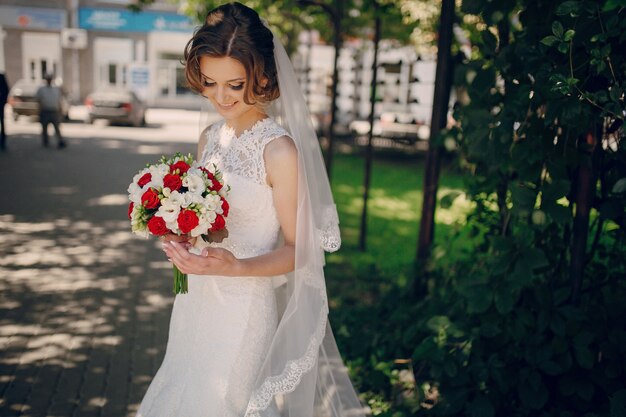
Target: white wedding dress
{"points": [[221, 330]]}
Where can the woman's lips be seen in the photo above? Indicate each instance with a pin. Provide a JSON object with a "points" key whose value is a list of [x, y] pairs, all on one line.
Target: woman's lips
{"points": [[227, 106]]}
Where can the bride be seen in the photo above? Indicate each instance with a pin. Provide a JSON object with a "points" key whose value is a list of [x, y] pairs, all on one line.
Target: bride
{"points": [[251, 338]]}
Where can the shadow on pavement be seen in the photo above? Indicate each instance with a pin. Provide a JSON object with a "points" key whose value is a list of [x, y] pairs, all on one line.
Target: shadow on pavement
{"points": [[84, 304]]}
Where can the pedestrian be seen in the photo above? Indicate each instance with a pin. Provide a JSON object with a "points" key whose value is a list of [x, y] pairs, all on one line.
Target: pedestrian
{"points": [[50, 110], [251, 337], [4, 95]]}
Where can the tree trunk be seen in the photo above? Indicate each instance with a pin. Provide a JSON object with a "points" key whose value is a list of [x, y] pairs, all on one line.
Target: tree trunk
{"points": [[585, 192], [368, 149], [438, 121], [333, 101]]}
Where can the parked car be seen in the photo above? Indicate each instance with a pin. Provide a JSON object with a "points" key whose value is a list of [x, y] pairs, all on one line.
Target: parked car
{"points": [[23, 100], [116, 104]]}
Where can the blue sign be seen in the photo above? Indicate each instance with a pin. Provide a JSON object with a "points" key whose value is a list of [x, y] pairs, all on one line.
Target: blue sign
{"points": [[127, 21], [32, 18], [139, 76]]}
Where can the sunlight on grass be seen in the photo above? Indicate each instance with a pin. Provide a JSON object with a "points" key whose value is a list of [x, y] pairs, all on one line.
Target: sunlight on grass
{"points": [[394, 211]]}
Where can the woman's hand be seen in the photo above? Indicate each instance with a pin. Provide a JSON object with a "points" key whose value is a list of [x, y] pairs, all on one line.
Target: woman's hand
{"points": [[186, 240], [212, 261]]}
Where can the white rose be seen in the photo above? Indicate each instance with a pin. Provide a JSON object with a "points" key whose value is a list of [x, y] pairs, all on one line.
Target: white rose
{"points": [[188, 199], [194, 182], [157, 172], [212, 202], [175, 198], [134, 193], [169, 212], [201, 229]]}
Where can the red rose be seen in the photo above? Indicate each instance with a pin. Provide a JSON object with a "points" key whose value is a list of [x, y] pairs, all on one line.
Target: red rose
{"points": [[157, 226], [216, 185], [150, 199], [131, 206], [225, 207], [181, 166], [187, 220], [172, 181], [146, 178], [218, 224]]}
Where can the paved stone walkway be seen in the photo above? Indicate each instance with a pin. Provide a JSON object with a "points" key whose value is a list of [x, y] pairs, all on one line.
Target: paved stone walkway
{"points": [[84, 304]]}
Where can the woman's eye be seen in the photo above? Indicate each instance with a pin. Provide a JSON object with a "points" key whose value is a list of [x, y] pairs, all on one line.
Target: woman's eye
{"points": [[206, 83], [237, 87]]}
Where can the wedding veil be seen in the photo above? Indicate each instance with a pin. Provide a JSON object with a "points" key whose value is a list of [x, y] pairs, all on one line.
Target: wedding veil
{"points": [[303, 374]]}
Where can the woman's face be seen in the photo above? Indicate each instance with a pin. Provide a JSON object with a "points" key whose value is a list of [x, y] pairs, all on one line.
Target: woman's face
{"points": [[224, 82]]}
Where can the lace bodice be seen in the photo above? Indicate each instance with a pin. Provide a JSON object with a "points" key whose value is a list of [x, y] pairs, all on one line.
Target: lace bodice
{"points": [[252, 222]]}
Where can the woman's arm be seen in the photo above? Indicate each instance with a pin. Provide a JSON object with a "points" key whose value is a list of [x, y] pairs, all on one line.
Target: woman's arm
{"points": [[281, 162]]}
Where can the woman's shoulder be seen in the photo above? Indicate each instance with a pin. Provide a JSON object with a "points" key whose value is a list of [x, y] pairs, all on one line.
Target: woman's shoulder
{"points": [[211, 129], [205, 137], [272, 130]]}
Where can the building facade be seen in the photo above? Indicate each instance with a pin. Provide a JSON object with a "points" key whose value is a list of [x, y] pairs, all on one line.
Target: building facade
{"points": [[90, 44]]}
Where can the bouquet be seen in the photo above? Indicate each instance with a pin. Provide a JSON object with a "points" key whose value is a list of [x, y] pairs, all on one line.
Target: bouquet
{"points": [[177, 195]]}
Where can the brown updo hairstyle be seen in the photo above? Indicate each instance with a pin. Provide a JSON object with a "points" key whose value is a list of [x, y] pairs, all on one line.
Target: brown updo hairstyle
{"points": [[236, 31]]}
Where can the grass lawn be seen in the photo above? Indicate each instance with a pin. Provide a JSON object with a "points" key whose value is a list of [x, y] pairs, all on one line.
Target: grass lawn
{"points": [[394, 210], [356, 280]]}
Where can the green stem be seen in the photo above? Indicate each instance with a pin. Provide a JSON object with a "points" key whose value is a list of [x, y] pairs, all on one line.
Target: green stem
{"points": [[180, 282]]}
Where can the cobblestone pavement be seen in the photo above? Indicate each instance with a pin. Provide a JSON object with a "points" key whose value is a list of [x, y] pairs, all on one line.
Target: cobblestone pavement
{"points": [[84, 304]]}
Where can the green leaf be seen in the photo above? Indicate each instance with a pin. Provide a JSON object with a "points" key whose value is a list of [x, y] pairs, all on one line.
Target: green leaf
{"points": [[612, 5], [438, 323], [447, 199], [567, 385], [561, 295], [557, 325], [583, 339], [532, 391], [450, 368], [612, 208], [585, 389], [490, 329], [472, 6], [550, 40], [550, 367], [504, 299], [615, 93], [523, 197], [479, 298], [490, 42], [424, 349], [618, 403], [556, 189], [481, 407], [557, 29], [569, 35], [534, 258], [568, 7], [539, 217], [563, 48], [584, 356], [620, 186]]}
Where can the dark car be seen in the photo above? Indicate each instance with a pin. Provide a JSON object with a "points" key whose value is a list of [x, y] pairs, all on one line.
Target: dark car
{"points": [[23, 100], [118, 105]]}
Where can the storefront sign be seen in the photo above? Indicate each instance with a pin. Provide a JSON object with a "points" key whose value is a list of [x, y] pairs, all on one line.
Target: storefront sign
{"points": [[127, 21], [32, 18], [139, 79]]}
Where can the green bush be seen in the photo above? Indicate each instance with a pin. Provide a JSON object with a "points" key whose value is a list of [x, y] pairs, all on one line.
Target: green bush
{"points": [[530, 320], [532, 323]]}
